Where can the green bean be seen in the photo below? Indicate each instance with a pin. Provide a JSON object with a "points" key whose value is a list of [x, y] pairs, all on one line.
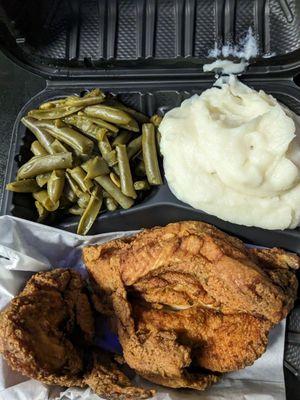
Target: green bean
{"points": [[140, 117], [141, 185], [156, 120], [42, 164], [54, 113], [140, 168], [58, 147], [51, 104], [83, 200], [79, 177], [76, 210], [43, 198], [150, 155], [91, 212], [40, 133], [37, 149], [24, 186], [69, 136], [109, 155], [100, 122], [122, 138], [42, 212], [113, 190], [42, 179], [125, 173], [134, 146], [131, 126], [86, 126], [87, 100], [94, 167], [55, 185], [110, 204], [109, 114], [73, 185], [115, 178]]}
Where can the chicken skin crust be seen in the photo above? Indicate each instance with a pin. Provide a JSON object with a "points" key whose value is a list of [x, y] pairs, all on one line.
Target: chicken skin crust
{"points": [[191, 301]]}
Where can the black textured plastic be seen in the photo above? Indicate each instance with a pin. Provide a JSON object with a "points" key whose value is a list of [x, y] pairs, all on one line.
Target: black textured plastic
{"points": [[100, 37]]}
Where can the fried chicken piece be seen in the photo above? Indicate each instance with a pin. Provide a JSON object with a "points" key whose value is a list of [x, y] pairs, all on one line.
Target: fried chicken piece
{"points": [[32, 334], [153, 354], [160, 263], [219, 342], [232, 296], [46, 333]]}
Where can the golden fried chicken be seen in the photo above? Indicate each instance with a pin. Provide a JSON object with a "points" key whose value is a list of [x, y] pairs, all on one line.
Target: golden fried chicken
{"points": [[46, 333], [188, 295]]}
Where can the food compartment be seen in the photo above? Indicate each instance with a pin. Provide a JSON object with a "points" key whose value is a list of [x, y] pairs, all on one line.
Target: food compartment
{"points": [[159, 206]]}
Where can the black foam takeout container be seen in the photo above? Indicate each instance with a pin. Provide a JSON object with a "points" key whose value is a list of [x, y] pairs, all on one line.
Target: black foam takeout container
{"points": [[150, 53]]}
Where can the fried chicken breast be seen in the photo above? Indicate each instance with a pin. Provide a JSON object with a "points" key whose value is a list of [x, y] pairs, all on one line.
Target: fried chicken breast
{"points": [[46, 333], [188, 295]]}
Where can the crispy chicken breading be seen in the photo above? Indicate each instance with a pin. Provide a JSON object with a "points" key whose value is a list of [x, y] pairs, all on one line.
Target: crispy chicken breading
{"points": [[189, 295], [46, 333]]}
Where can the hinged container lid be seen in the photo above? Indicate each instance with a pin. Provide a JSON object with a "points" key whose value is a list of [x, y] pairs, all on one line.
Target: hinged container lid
{"points": [[157, 38]]}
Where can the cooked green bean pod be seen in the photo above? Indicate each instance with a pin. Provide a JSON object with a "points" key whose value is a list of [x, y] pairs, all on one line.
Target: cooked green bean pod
{"points": [[131, 126], [58, 147], [52, 104], [24, 186], [76, 101], [122, 138], [86, 126], [110, 204], [69, 136], [156, 120], [79, 177], [150, 155], [134, 146], [141, 185], [43, 198], [37, 149], [42, 164], [76, 210], [113, 190], [109, 155], [42, 179], [94, 167], [125, 172], [42, 212], [55, 185], [115, 178], [140, 117], [73, 185], [40, 133], [83, 200], [54, 113], [91, 212], [100, 122], [109, 114]]}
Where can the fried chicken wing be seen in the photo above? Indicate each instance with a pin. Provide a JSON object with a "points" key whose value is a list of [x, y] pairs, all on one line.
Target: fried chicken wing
{"points": [[189, 296]]}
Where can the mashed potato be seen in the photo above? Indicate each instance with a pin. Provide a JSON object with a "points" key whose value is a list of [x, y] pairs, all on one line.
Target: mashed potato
{"points": [[233, 153]]}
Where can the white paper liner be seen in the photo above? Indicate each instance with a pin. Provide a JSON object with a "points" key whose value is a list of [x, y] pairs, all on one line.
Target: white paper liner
{"points": [[27, 247]]}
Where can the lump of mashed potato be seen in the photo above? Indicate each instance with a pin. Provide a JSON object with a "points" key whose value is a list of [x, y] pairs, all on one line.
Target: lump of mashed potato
{"points": [[234, 153]]}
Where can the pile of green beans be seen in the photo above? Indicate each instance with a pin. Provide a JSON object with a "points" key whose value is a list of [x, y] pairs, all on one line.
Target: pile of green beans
{"points": [[91, 154]]}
